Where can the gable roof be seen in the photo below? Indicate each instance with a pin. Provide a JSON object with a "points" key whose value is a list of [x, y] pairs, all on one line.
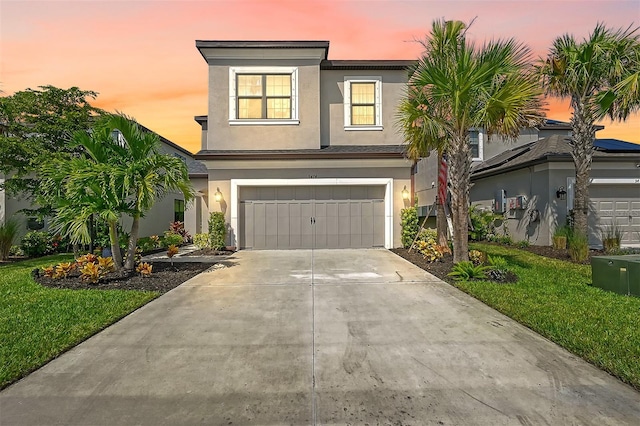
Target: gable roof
{"points": [[553, 148]]}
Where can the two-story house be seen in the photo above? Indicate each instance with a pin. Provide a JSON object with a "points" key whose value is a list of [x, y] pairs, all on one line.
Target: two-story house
{"points": [[301, 151]]}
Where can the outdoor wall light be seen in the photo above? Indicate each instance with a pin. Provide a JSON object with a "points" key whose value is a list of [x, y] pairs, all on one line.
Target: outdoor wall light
{"points": [[561, 193], [405, 193], [218, 195]]}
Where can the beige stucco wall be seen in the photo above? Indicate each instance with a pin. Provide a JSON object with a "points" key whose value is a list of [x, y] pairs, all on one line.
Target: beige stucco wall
{"points": [[332, 108], [305, 135], [196, 214]]}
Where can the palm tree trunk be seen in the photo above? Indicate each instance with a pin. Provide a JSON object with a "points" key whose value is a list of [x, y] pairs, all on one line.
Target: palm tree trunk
{"points": [[441, 217], [582, 153], [459, 176], [130, 261], [116, 255]]}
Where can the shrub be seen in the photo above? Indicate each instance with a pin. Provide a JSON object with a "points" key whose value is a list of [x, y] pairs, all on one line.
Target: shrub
{"points": [[64, 269], [217, 231], [611, 236], [106, 264], [36, 243], [146, 244], [477, 257], [8, 233], [87, 258], [482, 224], [523, 244], [427, 245], [90, 272], [172, 251], [505, 240], [144, 269], [16, 251], [578, 247], [177, 227], [409, 223], [201, 241], [466, 270], [171, 239]]}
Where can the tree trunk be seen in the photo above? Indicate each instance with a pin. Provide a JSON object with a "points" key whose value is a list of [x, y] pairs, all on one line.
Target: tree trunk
{"points": [[459, 176], [130, 261], [582, 153], [441, 217], [116, 255]]}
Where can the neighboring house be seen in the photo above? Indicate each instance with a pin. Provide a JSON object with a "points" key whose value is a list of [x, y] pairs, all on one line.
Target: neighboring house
{"points": [[168, 209], [301, 151], [532, 184], [482, 148]]}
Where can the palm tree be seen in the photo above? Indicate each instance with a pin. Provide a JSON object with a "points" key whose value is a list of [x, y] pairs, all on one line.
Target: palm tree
{"points": [[86, 186], [459, 86], [601, 77], [147, 174]]}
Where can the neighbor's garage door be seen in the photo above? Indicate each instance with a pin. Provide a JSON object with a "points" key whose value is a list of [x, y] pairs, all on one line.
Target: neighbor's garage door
{"points": [[311, 217], [614, 204]]}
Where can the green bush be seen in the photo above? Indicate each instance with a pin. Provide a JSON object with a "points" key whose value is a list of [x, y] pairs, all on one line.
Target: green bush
{"points": [[16, 251], [171, 239], [482, 224], [409, 223], [36, 243], [523, 244], [146, 244], [578, 247], [8, 232], [217, 231], [466, 270], [201, 241], [427, 245]]}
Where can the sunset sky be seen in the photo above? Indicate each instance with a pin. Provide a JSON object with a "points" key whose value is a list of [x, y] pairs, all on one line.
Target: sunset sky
{"points": [[141, 57]]}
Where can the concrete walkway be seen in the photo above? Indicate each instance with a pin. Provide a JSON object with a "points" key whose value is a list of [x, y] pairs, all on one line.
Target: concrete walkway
{"points": [[329, 337]]}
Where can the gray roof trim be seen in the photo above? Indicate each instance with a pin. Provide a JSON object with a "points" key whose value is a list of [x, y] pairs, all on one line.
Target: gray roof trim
{"points": [[263, 44], [168, 142], [550, 124], [329, 152], [201, 118], [366, 64]]}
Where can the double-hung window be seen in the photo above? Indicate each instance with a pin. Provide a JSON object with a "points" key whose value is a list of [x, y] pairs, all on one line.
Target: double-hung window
{"points": [[263, 95], [475, 143], [362, 103]]}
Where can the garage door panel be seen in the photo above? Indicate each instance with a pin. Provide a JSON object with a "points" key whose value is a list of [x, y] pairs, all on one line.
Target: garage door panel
{"points": [[341, 221], [612, 205]]}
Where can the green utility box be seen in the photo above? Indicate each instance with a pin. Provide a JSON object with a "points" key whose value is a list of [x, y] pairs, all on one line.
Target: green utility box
{"points": [[620, 274]]}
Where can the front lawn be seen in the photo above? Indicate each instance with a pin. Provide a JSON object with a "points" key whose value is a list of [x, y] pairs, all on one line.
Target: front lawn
{"points": [[38, 323], [554, 298]]}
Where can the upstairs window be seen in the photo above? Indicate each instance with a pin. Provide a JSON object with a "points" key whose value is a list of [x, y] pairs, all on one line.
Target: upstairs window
{"points": [[362, 103], [475, 143], [262, 95], [265, 96]]}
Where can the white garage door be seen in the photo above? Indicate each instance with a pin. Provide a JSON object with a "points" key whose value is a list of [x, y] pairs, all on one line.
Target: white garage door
{"points": [[614, 204]]}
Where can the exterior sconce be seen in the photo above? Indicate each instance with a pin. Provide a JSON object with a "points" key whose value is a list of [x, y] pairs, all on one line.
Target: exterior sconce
{"points": [[561, 193], [405, 193], [218, 195]]}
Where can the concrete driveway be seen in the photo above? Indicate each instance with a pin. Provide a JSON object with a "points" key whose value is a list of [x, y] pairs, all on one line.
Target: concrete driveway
{"points": [[323, 337]]}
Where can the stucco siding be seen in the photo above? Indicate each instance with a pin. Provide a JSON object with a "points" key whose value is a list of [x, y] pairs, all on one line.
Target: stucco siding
{"points": [[305, 135], [332, 108]]}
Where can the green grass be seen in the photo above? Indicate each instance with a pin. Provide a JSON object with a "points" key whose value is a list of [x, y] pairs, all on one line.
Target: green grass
{"points": [[39, 323], [554, 298]]}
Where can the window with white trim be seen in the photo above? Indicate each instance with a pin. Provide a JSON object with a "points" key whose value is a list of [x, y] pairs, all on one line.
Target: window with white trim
{"points": [[475, 143], [363, 103], [263, 95]]}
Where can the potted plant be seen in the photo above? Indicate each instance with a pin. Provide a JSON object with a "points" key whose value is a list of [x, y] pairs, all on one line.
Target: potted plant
{"points": [[560, 237]]}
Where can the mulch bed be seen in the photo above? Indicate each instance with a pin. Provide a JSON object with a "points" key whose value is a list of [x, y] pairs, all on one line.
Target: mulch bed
{"points": [[164, 277]]}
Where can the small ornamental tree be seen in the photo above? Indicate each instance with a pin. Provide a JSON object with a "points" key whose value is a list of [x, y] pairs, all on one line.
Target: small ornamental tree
{"points": [[217, 231], [409, 223]]}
